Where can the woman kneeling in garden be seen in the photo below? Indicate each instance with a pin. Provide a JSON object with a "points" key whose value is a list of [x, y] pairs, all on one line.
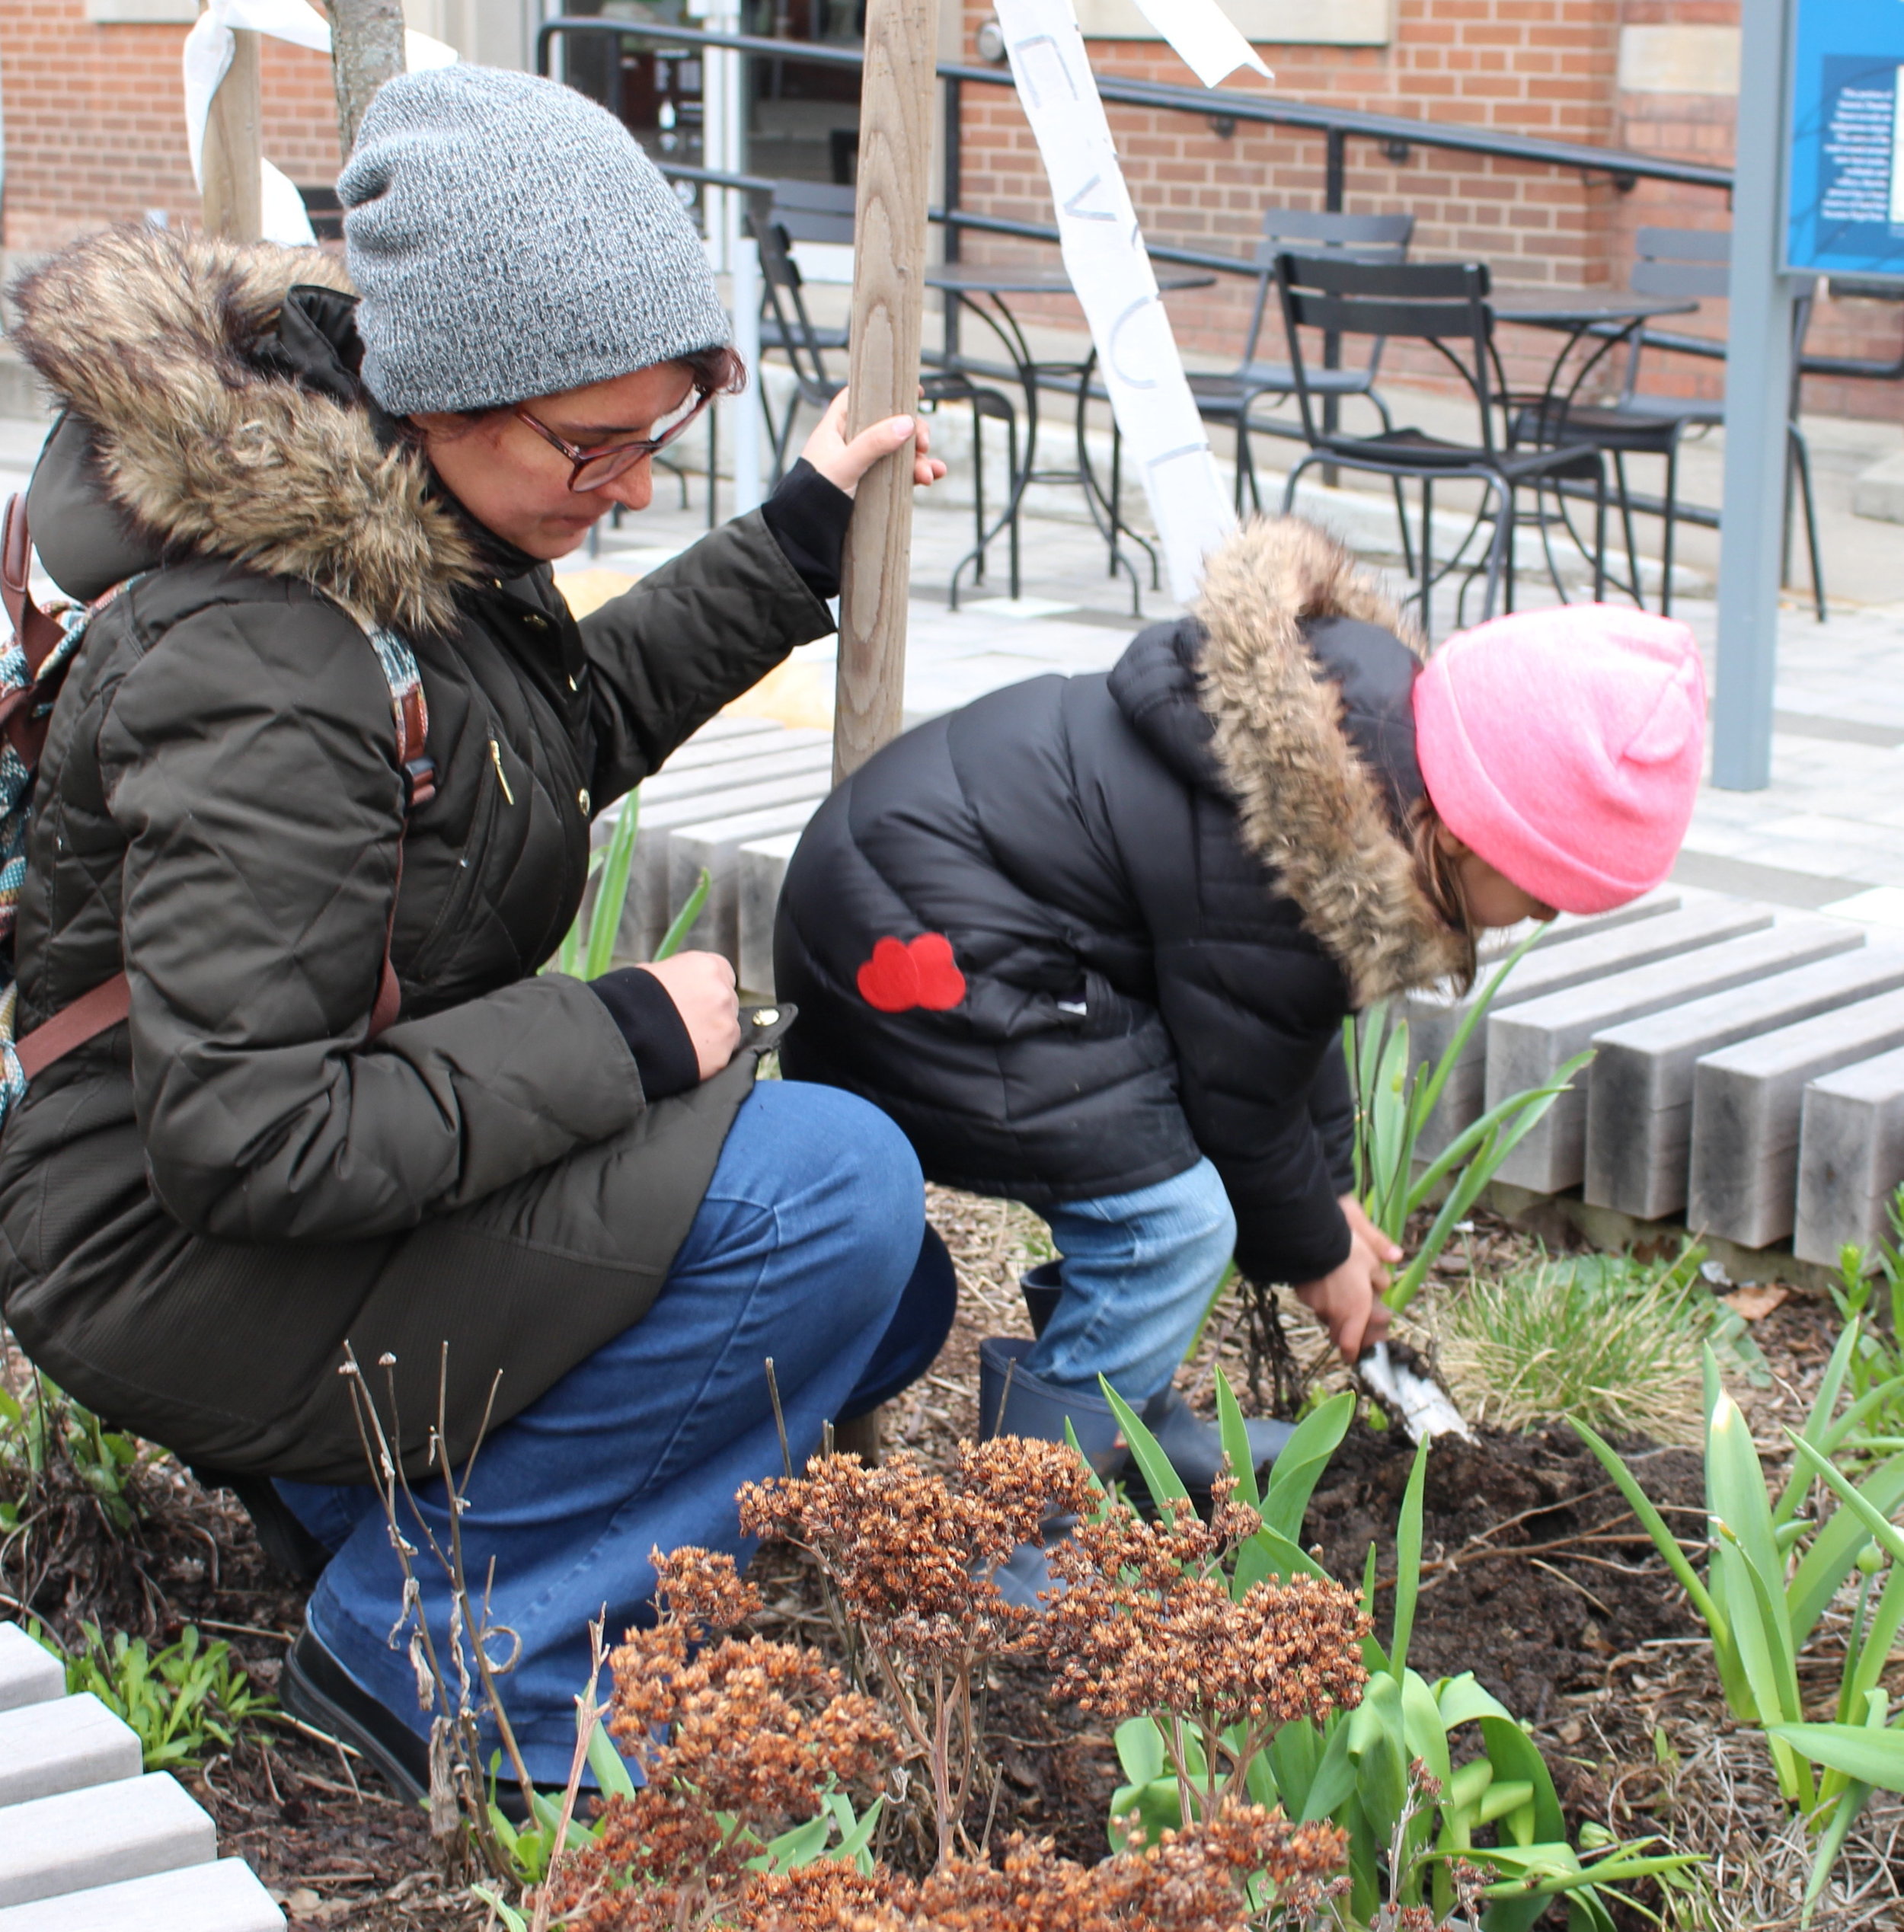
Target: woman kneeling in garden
{"points": [[304, 498], [1091, 940]]}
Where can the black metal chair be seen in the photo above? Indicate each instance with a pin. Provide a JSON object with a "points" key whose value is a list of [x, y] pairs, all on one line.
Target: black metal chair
{"points": [[809, 211], [788, 327], [1444, 304], [1677, 262], [1229, 397]]}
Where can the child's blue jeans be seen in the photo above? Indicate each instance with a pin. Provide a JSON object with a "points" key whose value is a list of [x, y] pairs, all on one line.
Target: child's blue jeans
{"points": [[1138, 1270], [807, 1249]]}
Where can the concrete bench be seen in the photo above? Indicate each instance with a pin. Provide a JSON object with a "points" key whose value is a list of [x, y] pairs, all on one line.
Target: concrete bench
{"points": [[650, 904], [763, 866], [78, 1840], [29, 1672], [1747, 1103], [715, 846], [1639, 1107], [1851, 1158], [1575, 951], [88, 1843], [1528, 1042], [224, 1896], [63, 1743]]}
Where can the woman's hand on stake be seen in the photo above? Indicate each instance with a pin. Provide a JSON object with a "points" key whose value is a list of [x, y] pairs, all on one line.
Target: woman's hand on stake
{"points": [[843, 463], [701, 985], [1348, 1299]]}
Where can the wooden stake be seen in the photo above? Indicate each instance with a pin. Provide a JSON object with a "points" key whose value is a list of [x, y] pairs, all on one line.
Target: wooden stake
{"points": [[232, 163], [888, 308], [366, 48]]}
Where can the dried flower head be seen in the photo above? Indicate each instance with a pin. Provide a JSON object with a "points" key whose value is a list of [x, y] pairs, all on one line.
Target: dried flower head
{"points": [[912, 1554], [1190, 1881], [1145, 1623], [738, 1739]]}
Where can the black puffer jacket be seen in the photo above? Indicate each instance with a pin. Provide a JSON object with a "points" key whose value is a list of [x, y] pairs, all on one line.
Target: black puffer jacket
{"points": [[199, 1207], [1162, 889]]}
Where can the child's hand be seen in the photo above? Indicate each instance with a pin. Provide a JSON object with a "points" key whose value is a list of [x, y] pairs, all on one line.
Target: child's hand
{"points": [[1348, 1299], [843, 463]]}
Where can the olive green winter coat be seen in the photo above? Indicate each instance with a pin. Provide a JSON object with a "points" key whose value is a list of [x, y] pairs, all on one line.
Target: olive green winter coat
{"points": [[199, 1208]]}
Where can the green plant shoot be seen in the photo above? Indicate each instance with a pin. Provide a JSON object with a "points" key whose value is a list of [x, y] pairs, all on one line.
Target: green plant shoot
{"points": [[1354, 1767], [587, 950], [1393, 1104], [1770, 1576]]}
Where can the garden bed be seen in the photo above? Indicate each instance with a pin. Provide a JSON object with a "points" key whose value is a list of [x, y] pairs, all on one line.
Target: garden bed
{"points": [[1535, 1577]]}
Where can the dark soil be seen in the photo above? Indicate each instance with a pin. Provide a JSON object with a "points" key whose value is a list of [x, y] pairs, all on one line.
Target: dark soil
{"points": [[1534, 1573]]}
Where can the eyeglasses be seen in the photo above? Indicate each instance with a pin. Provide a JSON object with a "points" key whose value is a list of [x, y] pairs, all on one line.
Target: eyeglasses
{"points": [[594, 467]]}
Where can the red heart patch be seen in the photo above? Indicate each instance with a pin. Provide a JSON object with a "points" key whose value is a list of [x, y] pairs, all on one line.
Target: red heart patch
{"points": [[941, 985], [900, 975]]}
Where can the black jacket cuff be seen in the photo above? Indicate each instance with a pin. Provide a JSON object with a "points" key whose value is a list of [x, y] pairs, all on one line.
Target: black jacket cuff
{"points": [[657, 1036], [1302, 1243], [808, 516]]}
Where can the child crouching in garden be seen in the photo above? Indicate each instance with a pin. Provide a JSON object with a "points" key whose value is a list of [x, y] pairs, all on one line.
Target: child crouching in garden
{"points": [[1091, 940]]}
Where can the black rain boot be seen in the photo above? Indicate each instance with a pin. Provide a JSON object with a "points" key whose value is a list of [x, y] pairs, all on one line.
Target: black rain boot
{"points": [[1195, 1448], [1013, 1402], [1043, 1289]]}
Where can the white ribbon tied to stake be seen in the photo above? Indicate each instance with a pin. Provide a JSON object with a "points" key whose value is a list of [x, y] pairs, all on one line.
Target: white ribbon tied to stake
{"points": [[1109, 267], [208, 58]]}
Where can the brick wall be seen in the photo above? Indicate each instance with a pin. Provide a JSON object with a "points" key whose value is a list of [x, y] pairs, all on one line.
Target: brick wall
{"points": [[1545, 68], [1537, 67], [95, 121]]}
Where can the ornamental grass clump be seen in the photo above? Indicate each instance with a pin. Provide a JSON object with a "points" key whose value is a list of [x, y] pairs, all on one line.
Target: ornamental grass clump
{"points": [[911, 1556]]}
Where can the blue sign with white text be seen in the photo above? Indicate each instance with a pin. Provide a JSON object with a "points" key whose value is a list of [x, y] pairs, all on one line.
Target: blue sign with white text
{"points": [[1844, 192]]}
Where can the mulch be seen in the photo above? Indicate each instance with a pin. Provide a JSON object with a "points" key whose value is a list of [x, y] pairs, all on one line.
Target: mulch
{"points": [[1534, 1576]]}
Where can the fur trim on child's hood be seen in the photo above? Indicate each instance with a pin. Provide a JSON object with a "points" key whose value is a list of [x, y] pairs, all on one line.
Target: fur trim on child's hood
{"points": [[1308, 803]]}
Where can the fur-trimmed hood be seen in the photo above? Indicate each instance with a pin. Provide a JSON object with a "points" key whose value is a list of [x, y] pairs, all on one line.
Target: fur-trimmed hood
{"points": [[1310, 799], [167, 345]]}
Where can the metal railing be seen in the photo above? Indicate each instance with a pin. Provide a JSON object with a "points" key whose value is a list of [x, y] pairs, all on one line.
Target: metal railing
{"points": [[1225, 108]]}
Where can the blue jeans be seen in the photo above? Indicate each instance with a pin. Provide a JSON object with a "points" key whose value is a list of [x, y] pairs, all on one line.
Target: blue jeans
{"points": [[1138, 1271], [807, 1248]]}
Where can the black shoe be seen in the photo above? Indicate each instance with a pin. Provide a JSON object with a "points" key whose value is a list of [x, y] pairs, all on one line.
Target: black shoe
{"points": [[314, 1686]]}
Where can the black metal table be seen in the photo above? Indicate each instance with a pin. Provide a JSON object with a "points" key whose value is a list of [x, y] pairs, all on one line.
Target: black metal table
{"points": [[982, 287], [1609, 318]]}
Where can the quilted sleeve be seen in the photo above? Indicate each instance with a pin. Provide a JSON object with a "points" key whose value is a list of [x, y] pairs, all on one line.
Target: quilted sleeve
{"points": [[249, 762]]}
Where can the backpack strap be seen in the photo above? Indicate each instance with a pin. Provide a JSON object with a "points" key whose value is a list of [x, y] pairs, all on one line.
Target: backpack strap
{"points": [[38, 634], [93, 1013], [419, 769]]}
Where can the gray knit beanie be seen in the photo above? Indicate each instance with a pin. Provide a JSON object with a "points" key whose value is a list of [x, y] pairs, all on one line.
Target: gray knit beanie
{"points": [[508, 239]]}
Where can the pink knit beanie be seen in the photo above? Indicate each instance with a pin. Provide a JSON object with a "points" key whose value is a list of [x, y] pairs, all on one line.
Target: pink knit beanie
{"points": [[1564, 746]]}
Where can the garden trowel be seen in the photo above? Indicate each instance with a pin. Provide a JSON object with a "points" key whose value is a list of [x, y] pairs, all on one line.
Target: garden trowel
{"points": [[1392, 1372]]}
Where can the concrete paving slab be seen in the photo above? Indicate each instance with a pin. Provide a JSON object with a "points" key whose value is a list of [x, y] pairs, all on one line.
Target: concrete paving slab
{"points": [[80, 1840], [1748, 1104], [29, 1672], [715, 845], [1639, 1107], [223, 1896], [763, 866], [63, 1743], [1851, 1158], [1528, 1043]]}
